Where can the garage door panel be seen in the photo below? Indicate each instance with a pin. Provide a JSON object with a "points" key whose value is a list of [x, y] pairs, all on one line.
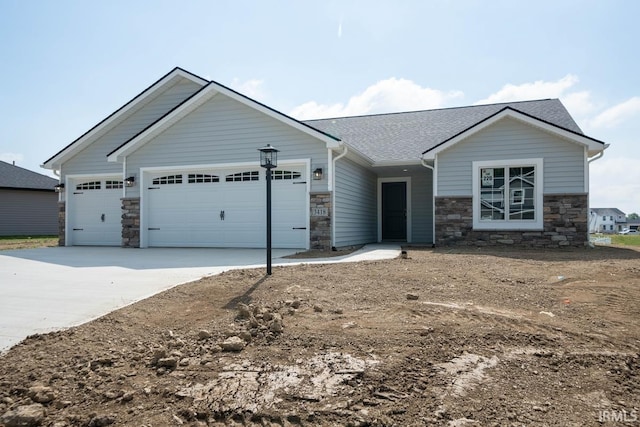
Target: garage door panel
{"points": [[95, 213], [227, 213]]}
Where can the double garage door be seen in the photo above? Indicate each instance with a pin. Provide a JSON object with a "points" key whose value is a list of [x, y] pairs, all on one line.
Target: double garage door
{"points": [[224, 208]]}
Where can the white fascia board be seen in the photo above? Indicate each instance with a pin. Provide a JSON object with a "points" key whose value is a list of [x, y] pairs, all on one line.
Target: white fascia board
{"points": [[592, 145], [112, 120]]}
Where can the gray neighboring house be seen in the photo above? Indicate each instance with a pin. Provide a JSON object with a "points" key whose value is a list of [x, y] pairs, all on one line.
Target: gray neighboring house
{"points": [[606, 220], [178, 166], [28, 202]]}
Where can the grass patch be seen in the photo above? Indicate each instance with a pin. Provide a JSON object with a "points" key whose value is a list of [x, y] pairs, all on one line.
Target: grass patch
{"points": [[27, 242], [626, 240]]}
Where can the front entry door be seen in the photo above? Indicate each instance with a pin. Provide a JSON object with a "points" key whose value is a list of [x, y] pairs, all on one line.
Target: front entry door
{"points": [[394, 211]]}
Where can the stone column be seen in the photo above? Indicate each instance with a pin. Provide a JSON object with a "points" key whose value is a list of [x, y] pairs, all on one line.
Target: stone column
{"points": [[61, 223], [130, 222], [321, 212]]}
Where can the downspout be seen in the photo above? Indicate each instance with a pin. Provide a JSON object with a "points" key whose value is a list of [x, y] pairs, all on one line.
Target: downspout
{"points": [[345, 150], [593, 159], [433, 199]]}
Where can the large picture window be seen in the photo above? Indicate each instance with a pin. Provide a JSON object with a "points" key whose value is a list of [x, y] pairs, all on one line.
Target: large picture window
{"points": [[507, 194]]}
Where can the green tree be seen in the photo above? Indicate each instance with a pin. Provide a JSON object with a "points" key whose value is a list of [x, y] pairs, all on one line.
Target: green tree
{"points": [[633, 216]]}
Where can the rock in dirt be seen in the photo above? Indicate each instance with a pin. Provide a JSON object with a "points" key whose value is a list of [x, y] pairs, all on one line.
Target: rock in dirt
{"points": [[204, 334], [412, 297], [276, 323], [168, 362], [317, 308], [244, 311], [234, 343], [102, 420], [24, 416], [41, 394]]}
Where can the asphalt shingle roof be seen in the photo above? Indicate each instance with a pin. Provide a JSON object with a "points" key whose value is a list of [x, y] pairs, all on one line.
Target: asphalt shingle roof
{"points": [[405, 136], [12, 176]]}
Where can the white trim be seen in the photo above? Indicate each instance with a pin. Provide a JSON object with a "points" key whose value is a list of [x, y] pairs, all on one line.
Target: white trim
{"points": [[333, 161], [206, 94], [104, 126], [144, 171], [506, 224], [407, 180], [592, 145]]}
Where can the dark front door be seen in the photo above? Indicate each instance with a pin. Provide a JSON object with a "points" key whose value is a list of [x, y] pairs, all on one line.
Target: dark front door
{"points": [[394, 211]]}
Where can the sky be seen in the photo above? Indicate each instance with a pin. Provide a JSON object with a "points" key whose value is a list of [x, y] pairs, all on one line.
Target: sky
{"points": [[68, 64]]}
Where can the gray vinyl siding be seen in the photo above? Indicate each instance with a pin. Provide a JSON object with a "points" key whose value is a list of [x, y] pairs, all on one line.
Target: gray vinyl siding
{"points": [[355, 204], [223, 131], [24, 212], [422, 207], [510, 139], [93, 159]]}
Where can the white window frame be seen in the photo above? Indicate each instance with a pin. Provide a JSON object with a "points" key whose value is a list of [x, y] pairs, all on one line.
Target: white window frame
{"points": [[509, 224]]}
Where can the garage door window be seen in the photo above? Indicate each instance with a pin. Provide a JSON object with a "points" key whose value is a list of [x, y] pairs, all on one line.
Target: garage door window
{"points": [[110, 185], [285, 175], [169, 179], [93, 185], [196, 178], [243, 176]]}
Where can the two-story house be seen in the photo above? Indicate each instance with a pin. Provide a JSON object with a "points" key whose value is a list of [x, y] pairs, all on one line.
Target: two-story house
{"points": [[606, 220]]}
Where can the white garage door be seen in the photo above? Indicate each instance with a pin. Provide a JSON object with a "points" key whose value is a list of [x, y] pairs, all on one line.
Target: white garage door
{"points": [[226, 208], [94, 212]]}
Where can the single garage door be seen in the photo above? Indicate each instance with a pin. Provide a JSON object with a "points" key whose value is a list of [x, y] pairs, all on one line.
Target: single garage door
{"points": [[94, 212], [226, 208]]}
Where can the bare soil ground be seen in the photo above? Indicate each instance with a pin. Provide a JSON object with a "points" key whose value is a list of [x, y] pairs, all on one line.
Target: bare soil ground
{"points": [[444, 337]]}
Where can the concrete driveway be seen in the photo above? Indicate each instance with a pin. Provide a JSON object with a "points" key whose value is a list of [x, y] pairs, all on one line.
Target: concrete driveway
{"points": [[47, 289]]}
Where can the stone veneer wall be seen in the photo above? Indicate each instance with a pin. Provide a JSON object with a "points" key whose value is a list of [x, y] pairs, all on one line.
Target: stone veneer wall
{"points": [[565, 224], [131, 222], [320, 233], [62, 212]]}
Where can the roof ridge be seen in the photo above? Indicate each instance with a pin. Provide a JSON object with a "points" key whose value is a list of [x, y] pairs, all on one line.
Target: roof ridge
{"points": [[433, 109]]}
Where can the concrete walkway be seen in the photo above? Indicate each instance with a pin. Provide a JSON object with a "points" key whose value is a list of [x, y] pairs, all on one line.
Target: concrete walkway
{"points": [[47, 289]]}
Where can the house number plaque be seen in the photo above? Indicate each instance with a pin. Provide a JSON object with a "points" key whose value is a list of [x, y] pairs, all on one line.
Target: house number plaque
{"points": [[319, 212]]}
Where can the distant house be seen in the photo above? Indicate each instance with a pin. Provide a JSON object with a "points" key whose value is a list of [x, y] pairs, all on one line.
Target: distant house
{"points": [[606, 220], [28, 202], [178, 166]]}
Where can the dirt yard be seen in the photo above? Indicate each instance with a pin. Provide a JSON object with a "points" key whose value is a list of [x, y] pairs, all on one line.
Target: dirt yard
{"points": [[443, 337]]}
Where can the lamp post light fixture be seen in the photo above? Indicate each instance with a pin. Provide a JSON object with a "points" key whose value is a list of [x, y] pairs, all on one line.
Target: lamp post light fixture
{"points": [[268, 160]]}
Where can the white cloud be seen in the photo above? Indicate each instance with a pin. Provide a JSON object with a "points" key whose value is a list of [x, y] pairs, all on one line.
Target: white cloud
{"points": [[11, 157], [615, 183], [385, 96], [617, 114], [527, 91], [251, 88]]}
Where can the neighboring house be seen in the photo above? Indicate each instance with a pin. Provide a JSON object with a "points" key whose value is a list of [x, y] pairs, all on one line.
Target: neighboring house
{"points": [[28, 202], [633, 224], [179, 166], [606, 220]]}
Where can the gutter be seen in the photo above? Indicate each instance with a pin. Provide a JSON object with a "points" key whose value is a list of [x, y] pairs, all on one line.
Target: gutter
{"points": [[599, 155]]}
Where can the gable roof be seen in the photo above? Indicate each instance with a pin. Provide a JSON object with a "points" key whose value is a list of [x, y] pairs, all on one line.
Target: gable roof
{"points": [[403, 137], [119, 115], [608, 211], [15, 177], [197, 99]]}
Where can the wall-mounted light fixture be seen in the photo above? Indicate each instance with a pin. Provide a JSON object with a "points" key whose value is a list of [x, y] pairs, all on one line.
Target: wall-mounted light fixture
{"points": [[59, 188], [130, 182], [317, 174]]}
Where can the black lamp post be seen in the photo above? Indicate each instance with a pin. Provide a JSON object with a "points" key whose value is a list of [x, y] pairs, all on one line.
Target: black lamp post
{"points": [[268, 160]]}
